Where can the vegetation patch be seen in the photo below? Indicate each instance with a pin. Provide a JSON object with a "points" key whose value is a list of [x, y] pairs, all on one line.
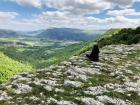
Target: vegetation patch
{"points": [[10, 67]]}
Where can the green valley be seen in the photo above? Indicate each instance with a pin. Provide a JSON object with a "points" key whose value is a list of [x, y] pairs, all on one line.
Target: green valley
{"points": [[41, 53], [37, 53]]}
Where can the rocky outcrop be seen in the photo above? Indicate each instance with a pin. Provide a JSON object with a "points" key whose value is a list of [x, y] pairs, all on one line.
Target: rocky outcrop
{"points": [[114, 80]]}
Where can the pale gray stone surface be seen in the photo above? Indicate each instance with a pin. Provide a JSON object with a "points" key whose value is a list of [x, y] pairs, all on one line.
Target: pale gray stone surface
{"points": [[72, 83], [91, 101]]}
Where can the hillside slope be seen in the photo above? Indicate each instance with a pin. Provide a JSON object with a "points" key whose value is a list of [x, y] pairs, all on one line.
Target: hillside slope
{"points": [[121, 36], [10, 67], [112, 81], [126, 36], [88, 45]]}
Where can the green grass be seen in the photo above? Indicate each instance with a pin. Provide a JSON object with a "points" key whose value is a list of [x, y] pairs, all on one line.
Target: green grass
{"points": [[133, 57], [110, 32], [134, 97], [10, 67]]}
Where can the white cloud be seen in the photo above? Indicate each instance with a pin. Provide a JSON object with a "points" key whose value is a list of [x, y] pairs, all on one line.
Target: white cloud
{"points": [[35, 3], [137, 0], [4, 16], [64, 19], [71, 14], [124, 12], [122, 2], [8, 21], [61, 19], [79, 6]]}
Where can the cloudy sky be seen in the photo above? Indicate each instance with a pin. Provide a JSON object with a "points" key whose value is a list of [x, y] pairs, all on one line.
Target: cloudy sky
{"points": [[92, 14]]}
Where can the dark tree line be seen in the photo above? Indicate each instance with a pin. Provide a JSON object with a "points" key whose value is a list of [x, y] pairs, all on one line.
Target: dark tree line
{"points": [[124, 36]]}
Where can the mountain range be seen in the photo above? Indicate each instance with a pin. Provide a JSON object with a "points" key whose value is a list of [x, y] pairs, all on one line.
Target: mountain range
{"points": [[55, 34], [68, 34]]}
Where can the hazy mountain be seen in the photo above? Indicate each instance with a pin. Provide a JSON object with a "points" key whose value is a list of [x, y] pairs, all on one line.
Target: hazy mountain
{"points": [[68, 34], [4, 33], [54, 34], [32, 33], [9, 33]]}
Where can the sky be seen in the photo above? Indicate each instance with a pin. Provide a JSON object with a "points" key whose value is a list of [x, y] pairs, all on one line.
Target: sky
{"points": [[29, 15]]}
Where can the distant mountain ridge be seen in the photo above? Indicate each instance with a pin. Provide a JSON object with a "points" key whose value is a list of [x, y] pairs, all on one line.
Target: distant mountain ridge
{"points": [[71, 34], [32, 33], [67, 34], [9, 33], [55, 34]]}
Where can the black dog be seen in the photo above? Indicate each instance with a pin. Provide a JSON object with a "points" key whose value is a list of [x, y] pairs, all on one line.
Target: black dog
{"points": [[94, 56]]}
